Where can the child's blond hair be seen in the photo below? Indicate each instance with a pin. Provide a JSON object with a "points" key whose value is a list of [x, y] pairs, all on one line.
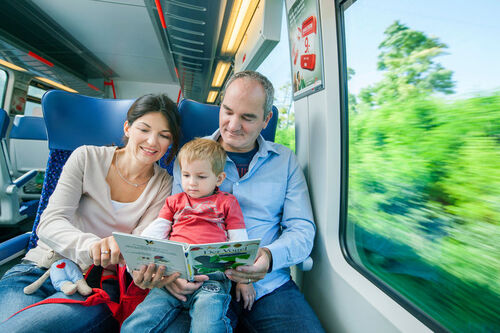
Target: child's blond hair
{"points": [[204, 149]]}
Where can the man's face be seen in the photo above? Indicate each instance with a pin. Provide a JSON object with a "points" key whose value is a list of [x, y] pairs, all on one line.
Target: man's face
{"points": [[241, 117]]}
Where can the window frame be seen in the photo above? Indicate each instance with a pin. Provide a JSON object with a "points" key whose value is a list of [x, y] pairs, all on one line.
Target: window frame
{"points": [[340, 7]]}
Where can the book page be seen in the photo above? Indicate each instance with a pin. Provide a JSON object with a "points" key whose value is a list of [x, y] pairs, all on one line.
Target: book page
{"points": [[140, 250], [217, 257]]}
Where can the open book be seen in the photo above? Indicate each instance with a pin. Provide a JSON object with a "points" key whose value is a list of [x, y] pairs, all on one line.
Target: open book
{"points": [[189, 260]]}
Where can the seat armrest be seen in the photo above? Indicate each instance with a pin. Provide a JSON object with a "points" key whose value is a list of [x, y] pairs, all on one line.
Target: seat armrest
{"points": [[21, 181], [306, 265], [14, 247]]}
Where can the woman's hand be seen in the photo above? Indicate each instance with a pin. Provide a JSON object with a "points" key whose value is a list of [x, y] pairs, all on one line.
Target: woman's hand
{"points": [[150, 276], [179, 288], [105, 252]]}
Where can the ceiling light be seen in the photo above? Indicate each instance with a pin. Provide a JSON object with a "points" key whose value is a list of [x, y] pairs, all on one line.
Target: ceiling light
{"points": [[55, 84], [212, 95], [12, 66], [220, 73], [241, 15]]}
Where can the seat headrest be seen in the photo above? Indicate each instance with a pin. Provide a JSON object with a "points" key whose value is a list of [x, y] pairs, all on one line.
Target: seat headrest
{"points": [[73, 120], [199, 120], [28, 128]]}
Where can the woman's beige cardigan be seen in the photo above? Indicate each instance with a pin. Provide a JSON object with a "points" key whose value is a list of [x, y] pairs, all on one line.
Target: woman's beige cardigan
{"points": [[80, 211]]}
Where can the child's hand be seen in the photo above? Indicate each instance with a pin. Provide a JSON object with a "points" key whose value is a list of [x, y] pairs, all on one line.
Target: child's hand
{"points": [[247, 292]]}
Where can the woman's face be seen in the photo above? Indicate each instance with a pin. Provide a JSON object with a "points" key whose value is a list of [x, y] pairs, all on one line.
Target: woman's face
{"points": [[148, 137]]}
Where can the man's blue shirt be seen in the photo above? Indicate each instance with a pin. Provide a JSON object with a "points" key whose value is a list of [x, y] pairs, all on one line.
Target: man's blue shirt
{"points": [[274, 198]]}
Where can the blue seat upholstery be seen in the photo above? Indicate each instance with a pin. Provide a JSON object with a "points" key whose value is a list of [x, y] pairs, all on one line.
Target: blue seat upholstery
{"points": [[199, 120], [29, 128]]}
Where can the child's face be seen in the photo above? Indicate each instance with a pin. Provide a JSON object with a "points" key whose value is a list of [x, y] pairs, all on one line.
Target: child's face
{"points": [[198, 179]]}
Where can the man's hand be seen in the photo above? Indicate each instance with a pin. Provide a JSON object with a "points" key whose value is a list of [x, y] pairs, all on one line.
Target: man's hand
{"points": [[105, 252], [179, 288], [247, 292], [254, 273], [150, 276]]}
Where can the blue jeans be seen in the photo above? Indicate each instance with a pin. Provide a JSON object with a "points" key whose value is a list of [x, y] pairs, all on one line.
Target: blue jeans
{"points": [[283, 310], [207, 309], [49, 317]]}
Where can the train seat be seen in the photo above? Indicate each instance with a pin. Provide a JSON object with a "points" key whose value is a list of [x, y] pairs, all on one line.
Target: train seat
{"points": [[12, 210], [29, 151]]}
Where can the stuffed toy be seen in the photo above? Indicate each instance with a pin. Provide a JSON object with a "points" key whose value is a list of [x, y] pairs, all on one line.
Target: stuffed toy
{"points": [[66, 276]]}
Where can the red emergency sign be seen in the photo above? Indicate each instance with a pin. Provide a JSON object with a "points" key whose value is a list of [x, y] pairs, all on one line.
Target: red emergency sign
{"points": [[309, 26]]}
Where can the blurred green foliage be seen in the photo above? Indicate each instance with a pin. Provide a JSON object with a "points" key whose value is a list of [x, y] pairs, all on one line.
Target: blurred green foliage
{"points": [[424, 170], [285, 133], [286, 137]]}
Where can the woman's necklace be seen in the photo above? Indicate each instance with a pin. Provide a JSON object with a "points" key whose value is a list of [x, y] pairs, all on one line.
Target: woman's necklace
{"points": [[125, 180]]}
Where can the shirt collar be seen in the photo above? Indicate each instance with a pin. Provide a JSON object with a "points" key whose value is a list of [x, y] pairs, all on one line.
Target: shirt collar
{"points": [[264, 146]]}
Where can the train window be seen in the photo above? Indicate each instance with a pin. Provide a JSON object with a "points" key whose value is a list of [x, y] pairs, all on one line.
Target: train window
{"points": [[34, 99], [3, 85], [422, 123], [279, 73]]}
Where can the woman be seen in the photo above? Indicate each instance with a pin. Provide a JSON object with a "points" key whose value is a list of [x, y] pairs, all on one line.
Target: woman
{"points": [[101, 190]]}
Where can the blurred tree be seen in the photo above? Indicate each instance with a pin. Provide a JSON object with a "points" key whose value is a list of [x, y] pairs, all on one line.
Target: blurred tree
{"points": [[408, 59], [423, 172]]}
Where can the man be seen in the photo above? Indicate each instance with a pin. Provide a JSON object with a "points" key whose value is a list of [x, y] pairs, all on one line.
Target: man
{"points": [[271, 189]]}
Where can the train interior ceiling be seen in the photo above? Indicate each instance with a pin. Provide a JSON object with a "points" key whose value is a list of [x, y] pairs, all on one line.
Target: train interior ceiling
{"points": [[100, 48]]}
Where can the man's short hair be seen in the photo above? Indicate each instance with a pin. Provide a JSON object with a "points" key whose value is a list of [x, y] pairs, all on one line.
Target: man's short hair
{"points": [[204, 149], [264, 82]]}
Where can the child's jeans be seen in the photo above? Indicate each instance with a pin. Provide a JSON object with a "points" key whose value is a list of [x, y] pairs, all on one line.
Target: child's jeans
{"points": [[207, 308]]}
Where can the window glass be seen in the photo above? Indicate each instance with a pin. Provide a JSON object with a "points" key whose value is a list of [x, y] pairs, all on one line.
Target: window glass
{"points": [[33, 109], [423, 212], [36, 91], [276, 67], [34, 103], [3, 86]]}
